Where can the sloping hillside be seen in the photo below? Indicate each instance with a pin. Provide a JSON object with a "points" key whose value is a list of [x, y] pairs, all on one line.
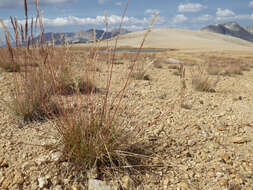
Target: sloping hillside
{"points": [[183, 39]]}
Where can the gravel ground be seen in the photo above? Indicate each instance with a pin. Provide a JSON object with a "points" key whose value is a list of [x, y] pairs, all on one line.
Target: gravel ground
{"points": [[209, 145]]}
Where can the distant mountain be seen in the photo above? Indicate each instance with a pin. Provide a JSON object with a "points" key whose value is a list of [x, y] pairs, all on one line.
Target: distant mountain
{"points": [[231, 29], [80, 36]]}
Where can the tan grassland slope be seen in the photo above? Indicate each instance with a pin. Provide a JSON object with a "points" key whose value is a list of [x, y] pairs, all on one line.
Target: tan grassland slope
{"points": [[183, 39]]}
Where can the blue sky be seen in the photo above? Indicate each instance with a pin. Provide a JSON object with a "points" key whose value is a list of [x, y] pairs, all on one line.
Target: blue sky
{"points": [[72, 15]]}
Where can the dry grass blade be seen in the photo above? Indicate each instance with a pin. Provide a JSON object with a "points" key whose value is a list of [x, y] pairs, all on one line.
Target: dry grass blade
{"points": [[132, 66], [7, 61], [26, 19], [109, 78]]}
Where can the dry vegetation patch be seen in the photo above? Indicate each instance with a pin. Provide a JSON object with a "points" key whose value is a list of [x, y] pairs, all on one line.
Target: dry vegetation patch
{"points": [[201, 81]]}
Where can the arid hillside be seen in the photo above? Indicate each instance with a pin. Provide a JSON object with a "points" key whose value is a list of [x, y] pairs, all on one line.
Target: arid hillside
{"points": [[182, 39]]}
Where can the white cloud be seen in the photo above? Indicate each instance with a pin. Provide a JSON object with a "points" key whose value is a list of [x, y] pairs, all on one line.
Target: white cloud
{"points": [[160, 20], [179, 19], [130, 23], [203, 18], [118, 3], [101, 2], [228, 15], [151, 11], [251, 4], [236, 17], [191, 7], [224, 13], [98, 21], [52, 1], [9, 4], [244, 17]]}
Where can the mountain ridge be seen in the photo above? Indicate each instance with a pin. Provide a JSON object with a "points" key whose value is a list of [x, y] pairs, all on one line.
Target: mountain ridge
{"points": [[231, 29], [80, 36]]}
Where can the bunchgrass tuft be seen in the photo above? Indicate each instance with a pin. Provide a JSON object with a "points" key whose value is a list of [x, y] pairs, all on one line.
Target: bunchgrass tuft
{"points": [[233, 69], [94, 141], [86, 86], [139, 71], [214, 69], [158, 64], [140, 75], [9, 67], [97, 133], [203, 84], [6, 62], [201, 81], [31, 99], [45, 71], [173, 67]]}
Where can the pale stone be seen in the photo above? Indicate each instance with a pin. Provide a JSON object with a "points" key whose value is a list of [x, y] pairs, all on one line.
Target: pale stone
{"points": [[99, 185], [42, 182]]}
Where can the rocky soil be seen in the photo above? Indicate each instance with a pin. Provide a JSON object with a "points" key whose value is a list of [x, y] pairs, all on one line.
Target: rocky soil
{"points": [[205, 145]]}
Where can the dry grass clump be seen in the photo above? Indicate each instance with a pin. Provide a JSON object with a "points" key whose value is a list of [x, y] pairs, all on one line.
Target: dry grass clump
{"points": [[6, 63], [34, 87], [31, 97], [173, 67], [176, 73], [176, 68], [201, 81], [214, 69], [139, 71], [86, 86], [140, 76], [66, 83], [158, 64], [92, 139], [96, 134], [203, 84], [126, 56], [245, 67], [226, 66], [233, 69]]}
